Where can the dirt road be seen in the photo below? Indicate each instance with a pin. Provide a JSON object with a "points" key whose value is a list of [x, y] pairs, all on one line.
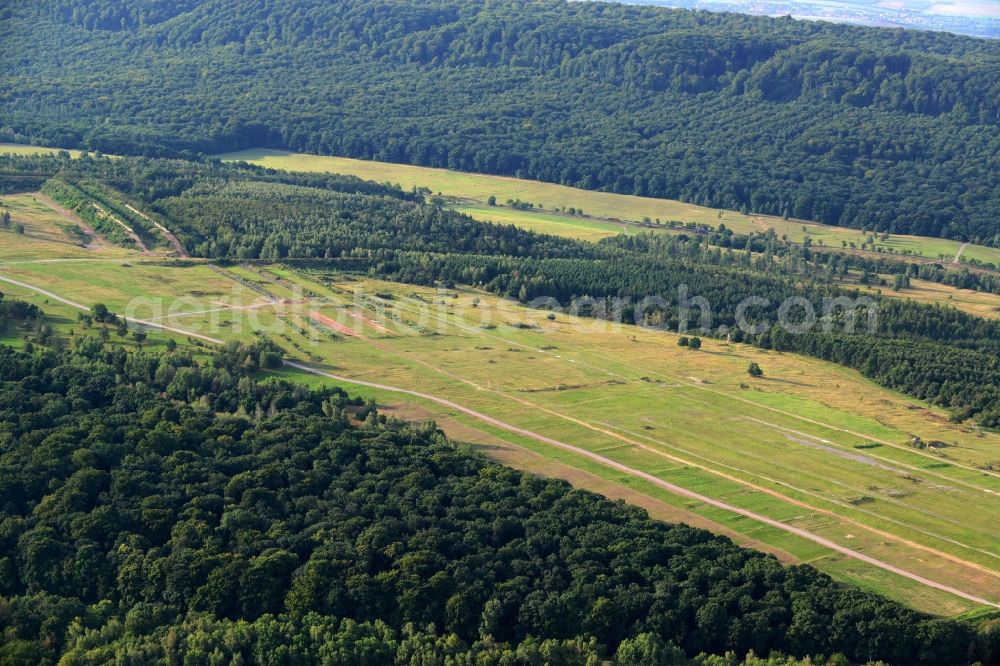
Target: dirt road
{"points": [[958, 255], [677, 490], [607, 462], [78, 306], [128, 230], [174, 243]]}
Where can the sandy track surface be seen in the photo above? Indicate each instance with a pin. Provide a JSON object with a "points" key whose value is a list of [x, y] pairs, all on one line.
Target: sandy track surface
{"points": [[958, 255], [607, 462], [128, 230], [141, 322], [678, 490], [171, 238]]}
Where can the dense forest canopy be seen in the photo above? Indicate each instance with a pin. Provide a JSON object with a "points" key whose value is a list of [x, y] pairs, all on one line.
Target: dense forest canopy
{"points": [[880, 129], [165, 509], [181, 505]]}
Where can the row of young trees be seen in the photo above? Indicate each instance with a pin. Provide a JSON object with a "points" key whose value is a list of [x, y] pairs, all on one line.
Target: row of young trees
{"points": [[765, 251], [887, 130], [273, 222], [935, 353], [240, 213], [155, 508]]}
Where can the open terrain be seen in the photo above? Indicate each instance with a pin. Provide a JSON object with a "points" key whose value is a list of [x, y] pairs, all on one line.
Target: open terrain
{"points": [[605, 213], [978, 303], [598, 214], [811, 446], [24, 149], [562, 332]]}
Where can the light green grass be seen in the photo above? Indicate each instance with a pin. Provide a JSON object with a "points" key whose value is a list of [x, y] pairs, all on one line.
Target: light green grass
{"points": [[22, 149], [566, 226], [596, 204], [978, 303], [50, 232], [693, 418], [480, 187]]}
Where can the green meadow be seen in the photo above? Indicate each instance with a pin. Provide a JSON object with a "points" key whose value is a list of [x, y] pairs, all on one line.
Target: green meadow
{"points": [[604, 213], [605, 210], [23, 149], [811, 444]]}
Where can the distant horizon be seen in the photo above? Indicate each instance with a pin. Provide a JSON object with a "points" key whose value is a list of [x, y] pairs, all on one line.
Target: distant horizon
{"points": [[970, 18]]}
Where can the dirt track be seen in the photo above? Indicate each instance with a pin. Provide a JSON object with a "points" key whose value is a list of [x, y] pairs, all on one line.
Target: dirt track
{"points": [[128, 230], [678, 490], [958, 255], [171, 238], [142, 322], [97, 241], [607, 462]]}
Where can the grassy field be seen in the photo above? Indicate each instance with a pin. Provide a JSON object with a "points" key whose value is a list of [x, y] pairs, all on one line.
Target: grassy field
{"points": [[480, 187], [605, 212], [978, 303], [557, 224], [812, 444], [22, 149], [604, 205], [50, 232]]}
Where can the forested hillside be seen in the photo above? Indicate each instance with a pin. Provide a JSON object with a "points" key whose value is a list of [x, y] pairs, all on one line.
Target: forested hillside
{"points": [[236, 212], [888, 130], [163, 509]]}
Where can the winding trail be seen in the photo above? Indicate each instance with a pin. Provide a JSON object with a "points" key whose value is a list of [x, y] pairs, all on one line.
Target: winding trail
{"points": [[675, 489], [142, 322], [607, 462]]}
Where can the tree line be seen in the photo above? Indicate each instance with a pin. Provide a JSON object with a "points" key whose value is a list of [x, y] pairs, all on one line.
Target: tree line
{"points": [[160, 508], [862, 127], [766, 251], [234, 212]]}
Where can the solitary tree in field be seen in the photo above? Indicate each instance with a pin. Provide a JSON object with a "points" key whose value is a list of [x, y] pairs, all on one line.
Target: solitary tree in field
{"points": [[754, 370], [100, 312], [695, 343], [683, 341]]}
